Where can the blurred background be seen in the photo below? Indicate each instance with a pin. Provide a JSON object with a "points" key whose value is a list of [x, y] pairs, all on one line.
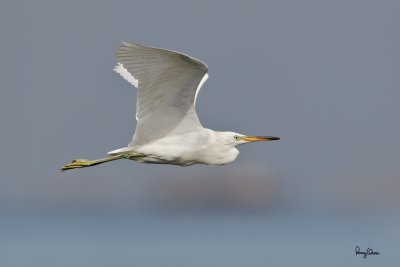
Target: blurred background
{"points": [[322, 75]]}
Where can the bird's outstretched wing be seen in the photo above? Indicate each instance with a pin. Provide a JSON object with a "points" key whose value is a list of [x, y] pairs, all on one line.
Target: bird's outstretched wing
{"points": [[168, 83]]}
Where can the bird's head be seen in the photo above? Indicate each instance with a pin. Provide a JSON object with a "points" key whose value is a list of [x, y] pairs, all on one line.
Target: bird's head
{"points": [[235, 139], [224, 145]]}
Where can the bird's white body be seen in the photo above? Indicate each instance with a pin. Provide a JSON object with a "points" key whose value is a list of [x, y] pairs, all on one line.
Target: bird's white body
{"points": [[205, 147], [168, 130]]}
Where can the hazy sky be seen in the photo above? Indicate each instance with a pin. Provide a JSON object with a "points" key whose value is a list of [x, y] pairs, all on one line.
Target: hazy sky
{"points": [[322, 75]]}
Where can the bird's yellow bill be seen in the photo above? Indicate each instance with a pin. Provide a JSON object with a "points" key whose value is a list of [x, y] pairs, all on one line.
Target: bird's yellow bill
{"points": [[259, 138]]}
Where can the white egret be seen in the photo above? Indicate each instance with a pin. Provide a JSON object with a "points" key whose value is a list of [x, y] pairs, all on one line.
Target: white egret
{"points": [[168, 130]]}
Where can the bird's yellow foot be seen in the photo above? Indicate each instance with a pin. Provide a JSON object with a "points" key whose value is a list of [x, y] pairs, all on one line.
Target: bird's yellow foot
{"points": [[77, 163]]}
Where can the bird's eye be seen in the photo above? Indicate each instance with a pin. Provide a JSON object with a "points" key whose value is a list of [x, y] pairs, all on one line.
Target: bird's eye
{"points": [[236, 137]]}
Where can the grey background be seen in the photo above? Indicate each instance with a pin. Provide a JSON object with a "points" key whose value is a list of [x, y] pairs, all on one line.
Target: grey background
{"points": [[322, 75]]}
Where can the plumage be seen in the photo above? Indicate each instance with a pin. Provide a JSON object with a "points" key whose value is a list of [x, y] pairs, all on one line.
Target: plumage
{"points": [[168, 129]]}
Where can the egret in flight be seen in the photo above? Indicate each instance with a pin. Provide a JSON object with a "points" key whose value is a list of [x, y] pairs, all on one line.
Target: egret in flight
{"points": [[168, 130]]}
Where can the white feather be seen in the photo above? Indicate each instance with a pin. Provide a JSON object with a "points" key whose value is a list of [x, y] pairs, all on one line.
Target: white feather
{"points": [[205, 77], [169, 83], [119, 68]]}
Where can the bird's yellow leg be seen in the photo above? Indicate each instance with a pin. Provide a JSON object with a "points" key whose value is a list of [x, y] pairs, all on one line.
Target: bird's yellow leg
{"points": [[83, 163]]}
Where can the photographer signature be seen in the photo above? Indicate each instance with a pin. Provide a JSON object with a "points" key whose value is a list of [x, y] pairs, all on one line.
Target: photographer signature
{"points": [[368, 252]]}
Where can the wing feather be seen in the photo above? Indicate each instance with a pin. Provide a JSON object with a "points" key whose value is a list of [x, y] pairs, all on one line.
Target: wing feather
{"points": [[168, 83]]}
